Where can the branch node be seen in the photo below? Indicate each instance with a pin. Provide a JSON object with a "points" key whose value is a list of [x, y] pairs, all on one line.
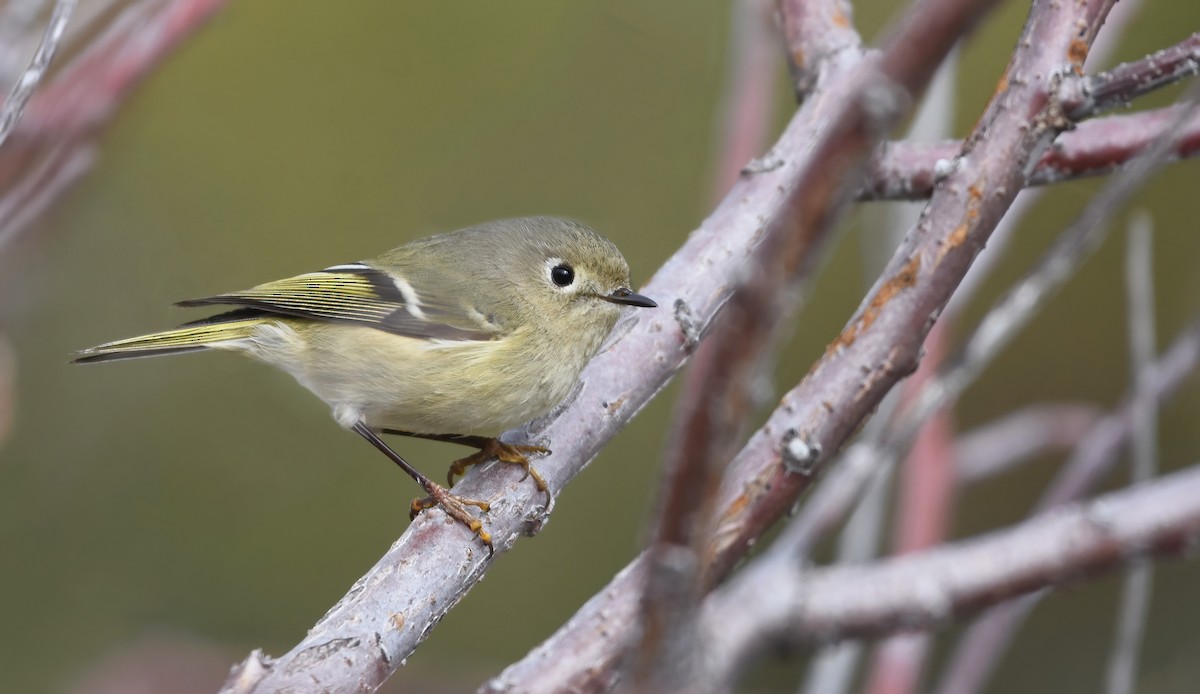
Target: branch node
{"points": [[245, 675], [943, 168], [763, 164], [799, 453], [687, 325]]}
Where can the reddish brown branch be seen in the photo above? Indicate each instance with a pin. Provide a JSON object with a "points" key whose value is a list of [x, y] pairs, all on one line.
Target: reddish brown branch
{"points": [[1087, 96], [926, 489], [815, 30], [748, 98], [910, 170]]}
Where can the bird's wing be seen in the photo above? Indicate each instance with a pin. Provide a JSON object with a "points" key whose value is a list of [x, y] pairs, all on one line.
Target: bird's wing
{"points": [[357, 293]]}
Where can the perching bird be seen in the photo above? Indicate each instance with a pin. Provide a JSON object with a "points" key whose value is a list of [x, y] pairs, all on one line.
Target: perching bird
{"points": [[455, 337]]}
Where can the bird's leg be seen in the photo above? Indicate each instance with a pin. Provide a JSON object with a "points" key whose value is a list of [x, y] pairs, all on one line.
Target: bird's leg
{"points": [[455, 506], [511, 453]]}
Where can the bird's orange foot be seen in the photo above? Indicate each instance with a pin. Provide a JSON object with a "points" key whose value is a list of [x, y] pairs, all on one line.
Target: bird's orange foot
{"points": [[456, 507], [511, 453]]}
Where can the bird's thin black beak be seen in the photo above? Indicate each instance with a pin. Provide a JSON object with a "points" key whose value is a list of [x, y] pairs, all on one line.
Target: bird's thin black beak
{"points": [[627, 296]]}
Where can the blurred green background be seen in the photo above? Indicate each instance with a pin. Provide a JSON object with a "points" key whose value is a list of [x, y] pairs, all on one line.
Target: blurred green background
{"points": [[186, 510]]}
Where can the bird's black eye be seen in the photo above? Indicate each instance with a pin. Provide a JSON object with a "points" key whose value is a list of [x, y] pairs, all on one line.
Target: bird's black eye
{"points": [[562, 275]]}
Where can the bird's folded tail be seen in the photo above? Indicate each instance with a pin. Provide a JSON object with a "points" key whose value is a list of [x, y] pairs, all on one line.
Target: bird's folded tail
{"points": [[220, 331]]}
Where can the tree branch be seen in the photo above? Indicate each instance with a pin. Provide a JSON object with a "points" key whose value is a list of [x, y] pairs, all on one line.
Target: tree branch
{"points": [[1086, 96], [22, 91], [882, 341], [910, 170], [816, 31], [878, 347], [748, 95], [720, 390], [1002, 445]]}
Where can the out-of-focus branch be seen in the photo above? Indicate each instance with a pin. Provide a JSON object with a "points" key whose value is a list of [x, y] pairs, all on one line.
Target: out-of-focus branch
{"points": [[1002, 445], [52, 145], [1086, 96], [909, 170], [987, 639], [748, 96], [776, 599], [720, 393], [925, 494], [22, 91], [1135, 598], [8, 387], [816, 30], [1015, 310]]}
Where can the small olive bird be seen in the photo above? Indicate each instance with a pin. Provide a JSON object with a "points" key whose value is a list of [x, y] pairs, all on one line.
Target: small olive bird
{"points": [[456, 337]]}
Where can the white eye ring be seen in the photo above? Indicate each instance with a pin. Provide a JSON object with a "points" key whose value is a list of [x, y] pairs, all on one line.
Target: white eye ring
{"points": [[560, 272]]}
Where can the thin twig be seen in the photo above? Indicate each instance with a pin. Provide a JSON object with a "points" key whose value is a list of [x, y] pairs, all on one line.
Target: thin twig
{"points": [[924, 503], [719, 396], [836, 666], [22, 91], [19, 20], [1135, 597], [909, 170], [1087, 96]]}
